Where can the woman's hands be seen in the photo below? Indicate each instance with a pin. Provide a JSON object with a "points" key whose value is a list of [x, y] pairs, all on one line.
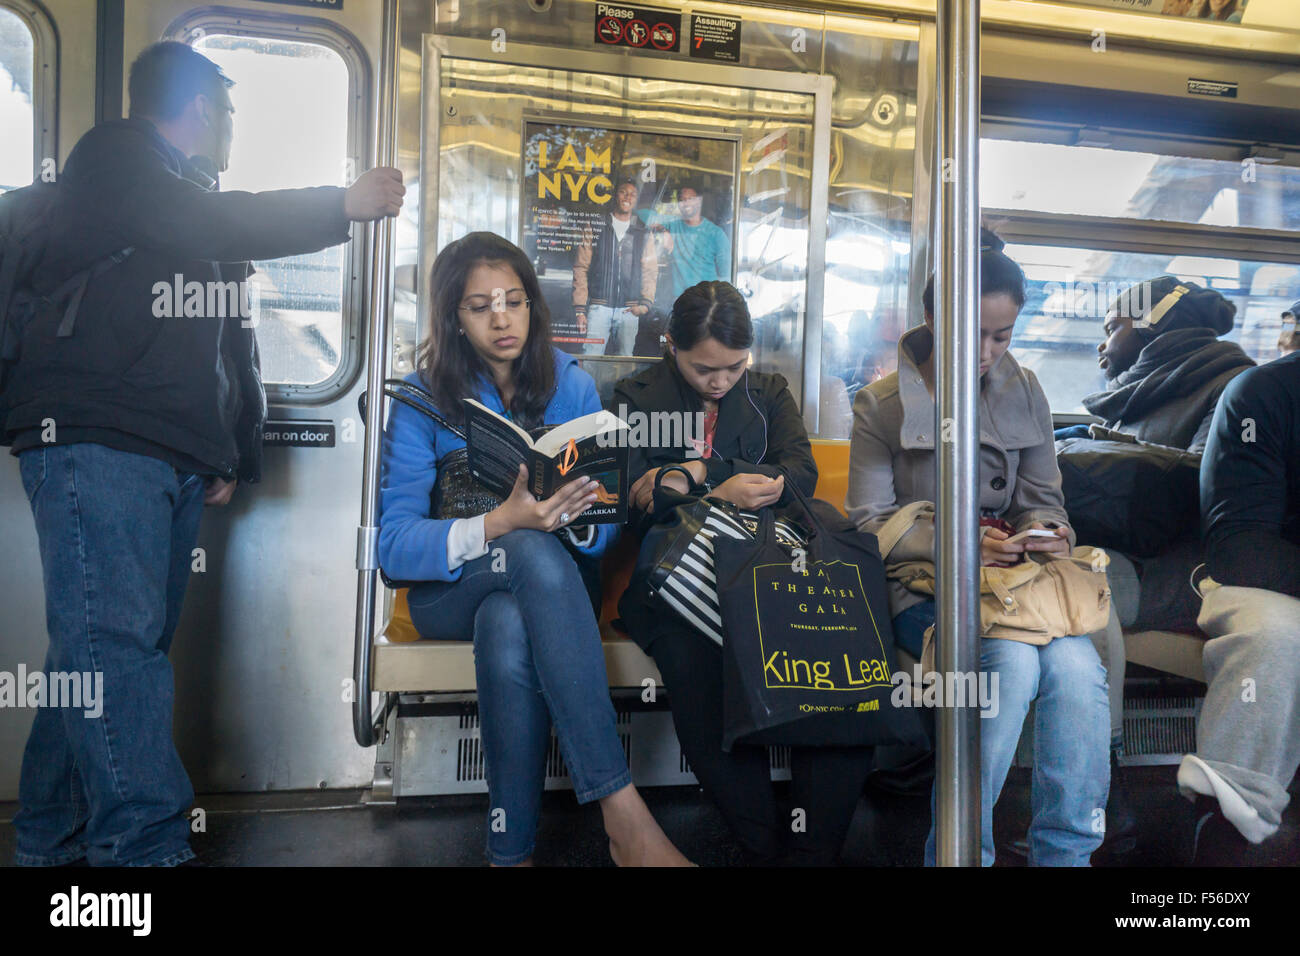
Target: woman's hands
{"points": [[746, 490], [641, 495], [522, 510], [750, 491], [1058, 545], [996, 551]]}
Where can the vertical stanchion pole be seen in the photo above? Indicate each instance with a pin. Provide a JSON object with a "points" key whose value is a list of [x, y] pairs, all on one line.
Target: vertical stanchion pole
{"points": [[956, 364], [383, 153]]}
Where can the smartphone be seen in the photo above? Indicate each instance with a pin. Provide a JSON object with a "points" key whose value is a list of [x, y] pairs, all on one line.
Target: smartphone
{"points": [[1031, 533]]}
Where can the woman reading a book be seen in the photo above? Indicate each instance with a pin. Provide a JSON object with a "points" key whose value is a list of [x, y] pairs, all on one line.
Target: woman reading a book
{"points": [[751, 436], [501, 578]]}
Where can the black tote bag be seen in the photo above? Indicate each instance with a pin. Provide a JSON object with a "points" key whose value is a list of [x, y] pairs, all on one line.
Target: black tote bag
{"points": [[808, 655]]}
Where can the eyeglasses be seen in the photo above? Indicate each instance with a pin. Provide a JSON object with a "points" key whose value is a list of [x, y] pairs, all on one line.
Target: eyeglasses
{"points": [[509, 305]]}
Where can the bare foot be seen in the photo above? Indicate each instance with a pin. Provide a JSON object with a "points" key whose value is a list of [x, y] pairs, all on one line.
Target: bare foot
{"points": [[635, 839]]}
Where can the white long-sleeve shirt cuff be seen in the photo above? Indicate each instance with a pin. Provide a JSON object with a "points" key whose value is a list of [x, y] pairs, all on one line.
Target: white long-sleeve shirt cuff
{"points": [[466, 540]]}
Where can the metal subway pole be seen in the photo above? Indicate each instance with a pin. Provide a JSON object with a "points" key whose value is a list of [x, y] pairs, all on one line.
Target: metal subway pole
{"points": [[383, 153], [956, 364]]}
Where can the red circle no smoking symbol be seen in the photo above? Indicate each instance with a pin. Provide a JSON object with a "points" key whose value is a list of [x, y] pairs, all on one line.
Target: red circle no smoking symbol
{"points": [[610, 29], [663, 36], [636, 32]]}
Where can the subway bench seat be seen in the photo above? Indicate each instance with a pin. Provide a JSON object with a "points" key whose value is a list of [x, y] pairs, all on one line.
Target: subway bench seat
{"points": [[405, 664]]}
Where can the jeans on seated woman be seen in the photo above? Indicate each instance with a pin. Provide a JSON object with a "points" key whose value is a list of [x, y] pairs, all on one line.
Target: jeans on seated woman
{"points": [[536, 661], [1066, 678], [892, 465]]}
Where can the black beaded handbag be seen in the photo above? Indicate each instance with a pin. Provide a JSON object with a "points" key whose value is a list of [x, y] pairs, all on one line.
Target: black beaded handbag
{"points": [[456, 492]]}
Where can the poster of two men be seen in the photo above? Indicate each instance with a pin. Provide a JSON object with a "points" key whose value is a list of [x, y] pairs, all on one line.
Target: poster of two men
{"points": [[619, 223]]}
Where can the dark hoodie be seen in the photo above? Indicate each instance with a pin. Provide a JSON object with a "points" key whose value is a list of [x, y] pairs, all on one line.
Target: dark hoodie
{"points": [[1168, 395]]}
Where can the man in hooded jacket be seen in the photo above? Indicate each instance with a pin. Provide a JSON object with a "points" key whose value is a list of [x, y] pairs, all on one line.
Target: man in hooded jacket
{"points": [[1165, 363], [1166, 368]]}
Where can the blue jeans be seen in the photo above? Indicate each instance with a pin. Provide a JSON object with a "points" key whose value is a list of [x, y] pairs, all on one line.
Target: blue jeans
{"points": [[911, 625], [1071, 745], [116, 534], [537, 659], [605, 323], [1070, 431]]}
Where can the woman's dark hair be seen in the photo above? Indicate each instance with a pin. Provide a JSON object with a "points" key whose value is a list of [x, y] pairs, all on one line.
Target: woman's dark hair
{"points": [[999, 274], [711, 310], [448, 364], [167, 75]]}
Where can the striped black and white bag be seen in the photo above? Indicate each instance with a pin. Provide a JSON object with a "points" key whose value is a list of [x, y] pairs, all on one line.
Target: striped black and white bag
{"points": [[679, 554]]}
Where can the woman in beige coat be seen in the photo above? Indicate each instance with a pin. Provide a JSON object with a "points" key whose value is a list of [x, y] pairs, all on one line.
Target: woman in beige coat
{"points": [[892, 464]]}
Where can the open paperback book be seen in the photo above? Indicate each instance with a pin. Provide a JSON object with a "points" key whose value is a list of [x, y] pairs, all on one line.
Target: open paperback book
{"points": [[585, 447]]}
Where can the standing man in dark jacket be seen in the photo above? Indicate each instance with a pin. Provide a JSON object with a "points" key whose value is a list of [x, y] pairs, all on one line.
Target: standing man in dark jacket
{"points": [[1248, 732], [126, 424]]}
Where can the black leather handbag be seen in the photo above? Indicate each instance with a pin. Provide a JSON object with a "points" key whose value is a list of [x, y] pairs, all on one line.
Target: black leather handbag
{"points": [[676, 560]]}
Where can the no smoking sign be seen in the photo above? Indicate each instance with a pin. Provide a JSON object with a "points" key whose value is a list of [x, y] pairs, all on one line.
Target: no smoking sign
{"points": [[641, 28]]}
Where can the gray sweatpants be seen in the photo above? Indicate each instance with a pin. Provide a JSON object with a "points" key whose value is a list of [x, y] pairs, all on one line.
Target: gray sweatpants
{"points": [[1248, 735]]}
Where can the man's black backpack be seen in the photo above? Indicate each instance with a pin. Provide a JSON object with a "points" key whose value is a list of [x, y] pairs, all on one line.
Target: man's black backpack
{"points": [[25, 215], [1132, 496]]}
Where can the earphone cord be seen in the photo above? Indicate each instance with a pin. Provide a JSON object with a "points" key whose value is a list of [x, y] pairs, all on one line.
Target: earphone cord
{"points": [[703, 444], [761, 418]]}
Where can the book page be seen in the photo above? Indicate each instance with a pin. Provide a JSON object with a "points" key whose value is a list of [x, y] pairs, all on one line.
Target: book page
{"points": [[553, 442]]}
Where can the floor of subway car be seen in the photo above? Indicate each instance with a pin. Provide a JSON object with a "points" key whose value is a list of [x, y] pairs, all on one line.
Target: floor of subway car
{"points": [[333, 828]]}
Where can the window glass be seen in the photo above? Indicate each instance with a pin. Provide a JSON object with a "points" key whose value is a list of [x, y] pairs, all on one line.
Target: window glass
{"points": [[17, 114], [1070, 289], [291, 129], [865, 313], [1095, 181]]}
